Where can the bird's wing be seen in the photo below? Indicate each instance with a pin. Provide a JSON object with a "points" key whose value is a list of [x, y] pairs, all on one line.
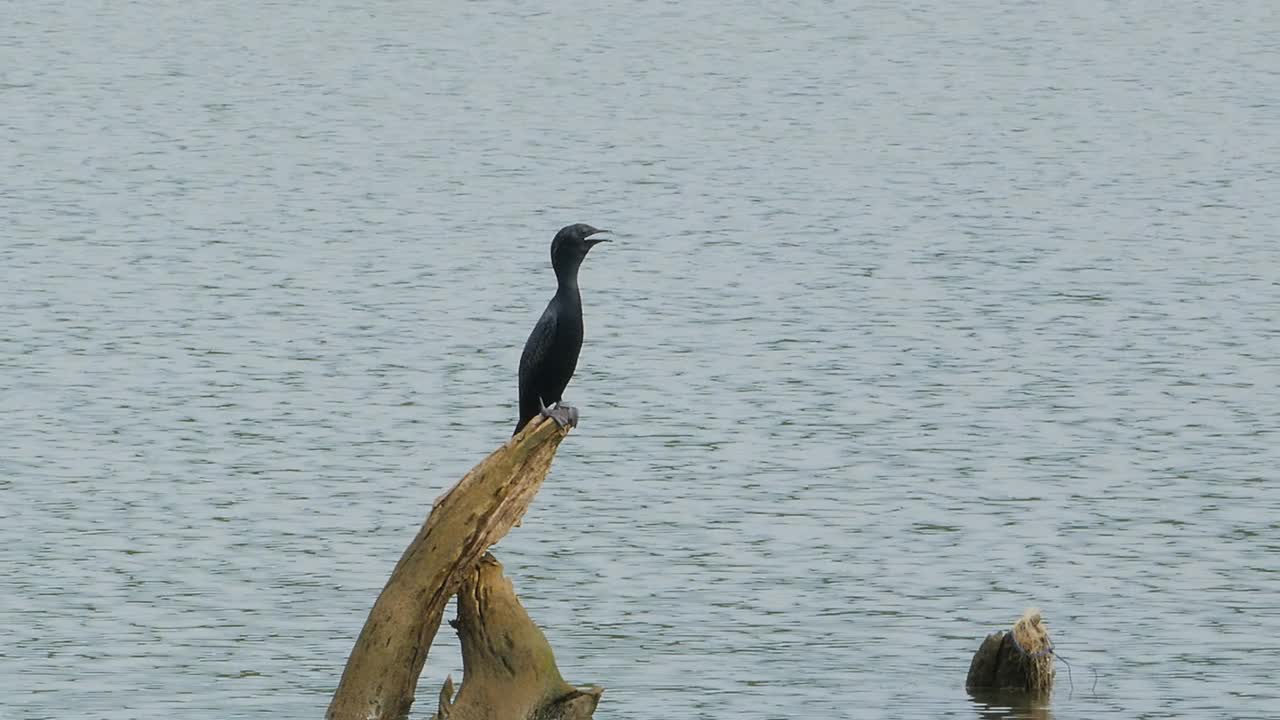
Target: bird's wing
{"points": [[538, 346]]}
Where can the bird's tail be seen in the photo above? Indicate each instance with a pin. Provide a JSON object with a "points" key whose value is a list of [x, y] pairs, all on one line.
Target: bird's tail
{"points": [[520, 425]]}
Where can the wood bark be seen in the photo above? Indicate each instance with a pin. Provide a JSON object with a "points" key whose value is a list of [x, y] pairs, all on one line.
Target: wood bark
{"points": [[382, 670], [509, 669]]}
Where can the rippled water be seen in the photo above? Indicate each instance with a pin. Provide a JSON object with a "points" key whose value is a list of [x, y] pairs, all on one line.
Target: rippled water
{"points": [[918, 314]]}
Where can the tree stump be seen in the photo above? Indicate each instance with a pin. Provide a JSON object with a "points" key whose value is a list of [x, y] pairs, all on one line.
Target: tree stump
{"points": [[509, 669], [1020, 660], [382, 670]]}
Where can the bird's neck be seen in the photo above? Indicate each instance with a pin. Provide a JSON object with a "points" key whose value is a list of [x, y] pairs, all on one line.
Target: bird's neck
{"points": [[567, 284]]}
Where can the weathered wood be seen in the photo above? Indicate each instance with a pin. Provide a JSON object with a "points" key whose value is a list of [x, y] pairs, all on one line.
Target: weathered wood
{"points": [[1020, 660], [382, 670], [509, 669]]}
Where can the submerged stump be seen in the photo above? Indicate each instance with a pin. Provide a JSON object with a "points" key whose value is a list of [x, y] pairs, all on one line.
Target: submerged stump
{"points": [[382, 671], [1020, 660], [508, 667]]}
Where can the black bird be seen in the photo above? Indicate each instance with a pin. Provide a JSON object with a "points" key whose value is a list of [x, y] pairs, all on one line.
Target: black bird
{"points": [[551, 352]]}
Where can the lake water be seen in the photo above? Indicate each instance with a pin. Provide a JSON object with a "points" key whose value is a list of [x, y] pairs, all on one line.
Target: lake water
{"points": [[918, 314]]}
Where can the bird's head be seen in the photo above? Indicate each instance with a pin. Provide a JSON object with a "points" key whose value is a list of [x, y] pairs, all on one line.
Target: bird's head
{"points": [[572, 244]]}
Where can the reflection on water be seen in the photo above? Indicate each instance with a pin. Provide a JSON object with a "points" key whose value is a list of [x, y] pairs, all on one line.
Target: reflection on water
{"points": [[922, 313], [1006, 705]]}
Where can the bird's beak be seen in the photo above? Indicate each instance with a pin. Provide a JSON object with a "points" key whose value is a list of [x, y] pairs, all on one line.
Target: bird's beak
{"points": [[596, 240]]}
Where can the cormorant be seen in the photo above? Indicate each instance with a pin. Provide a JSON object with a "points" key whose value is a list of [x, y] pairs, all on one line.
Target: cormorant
{"points": [[551, 352]]}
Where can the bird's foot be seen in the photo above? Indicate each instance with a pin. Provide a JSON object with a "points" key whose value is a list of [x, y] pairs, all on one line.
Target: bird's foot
{"points": [[564, 415]]}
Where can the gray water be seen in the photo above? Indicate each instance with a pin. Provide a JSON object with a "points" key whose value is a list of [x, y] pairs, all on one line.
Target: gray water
{"points": [[918, 314]]}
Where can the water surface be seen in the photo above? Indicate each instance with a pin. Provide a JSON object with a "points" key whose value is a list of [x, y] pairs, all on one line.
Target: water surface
{"points": [[918, 314]]}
